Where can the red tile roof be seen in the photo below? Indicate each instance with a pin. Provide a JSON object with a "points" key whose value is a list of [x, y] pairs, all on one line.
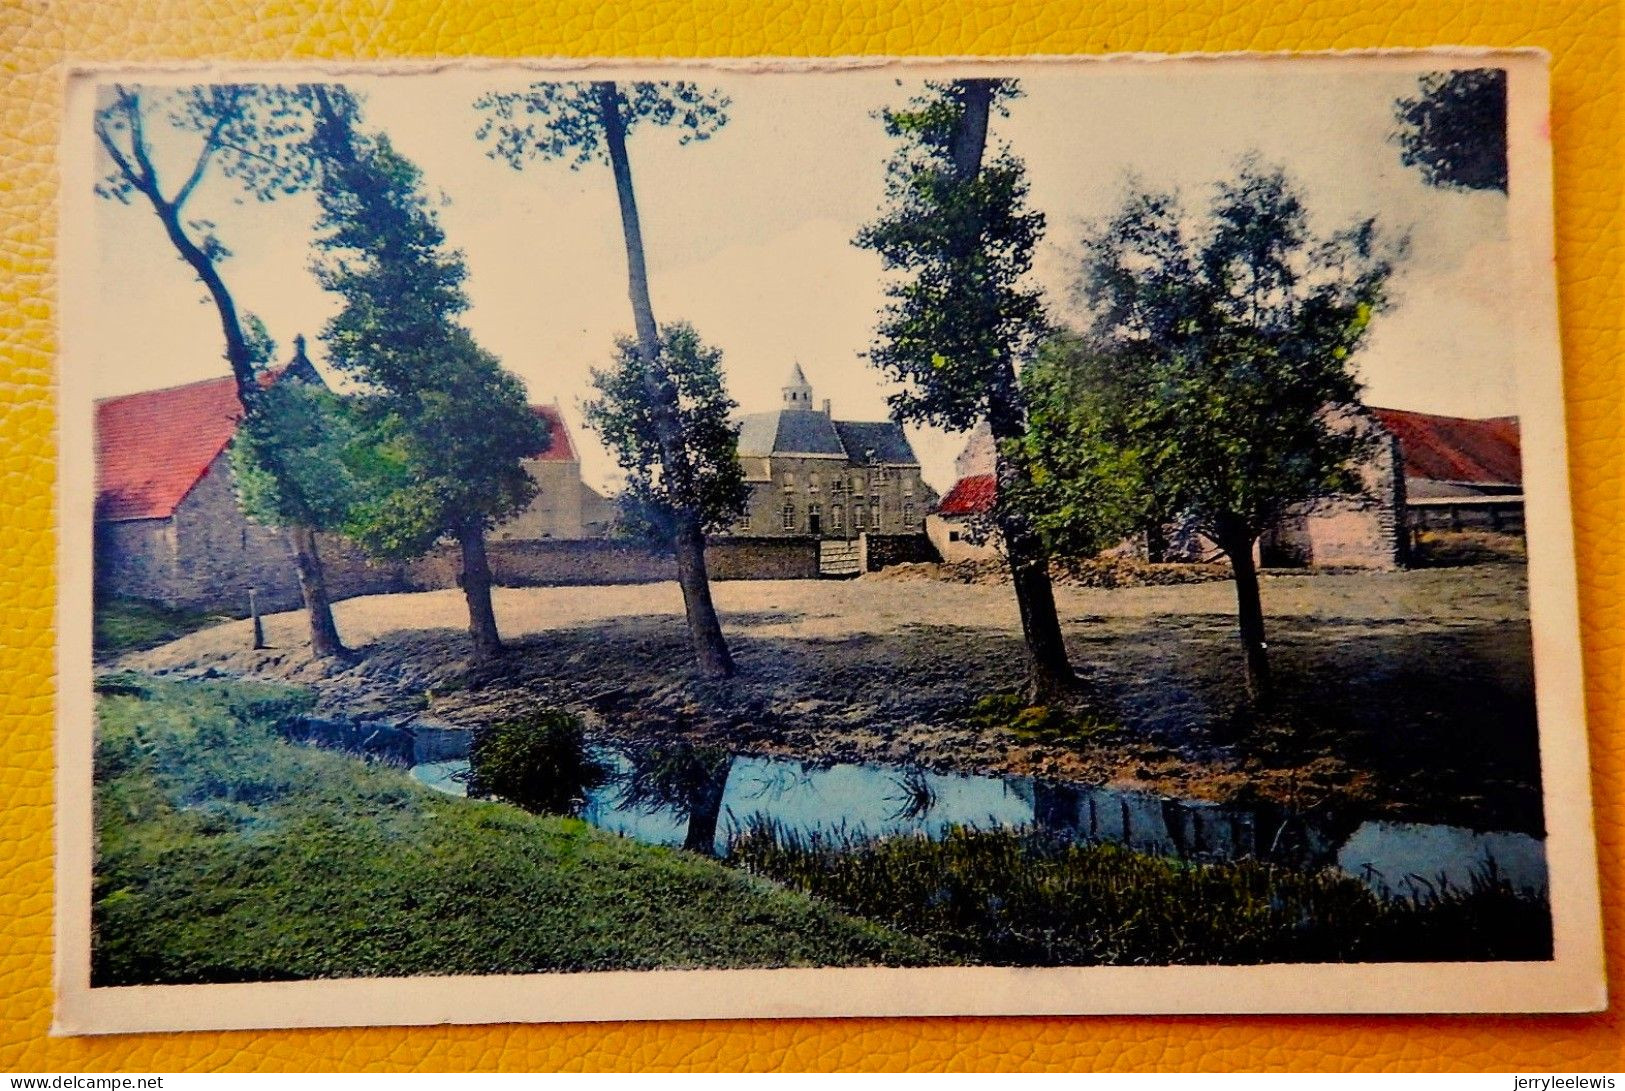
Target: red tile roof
{"points": [[1480, 452], [970, 496], [561, 449], [153, 447]]}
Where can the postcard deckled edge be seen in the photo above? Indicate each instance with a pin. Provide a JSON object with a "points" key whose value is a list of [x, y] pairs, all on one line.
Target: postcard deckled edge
{"points": [[1572, 982]]}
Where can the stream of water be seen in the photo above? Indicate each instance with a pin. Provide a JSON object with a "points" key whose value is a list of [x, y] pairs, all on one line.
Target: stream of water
{"points": [[1393, 858]]}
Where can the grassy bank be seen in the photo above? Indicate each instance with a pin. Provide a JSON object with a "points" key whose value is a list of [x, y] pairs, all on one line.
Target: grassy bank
{"points": [[133, 625], [226, 854], [1009, 898]]}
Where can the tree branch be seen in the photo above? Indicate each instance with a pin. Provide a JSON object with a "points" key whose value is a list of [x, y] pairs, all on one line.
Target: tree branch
{"points": [[116, 155], [209, 145]]}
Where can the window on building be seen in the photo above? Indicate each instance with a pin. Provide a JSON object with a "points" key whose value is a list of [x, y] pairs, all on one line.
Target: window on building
{"points": [[908, 515], [815, 519], [789, 481], [837, 486], [908, 482], [812, 481], [743, 520], [788, 520], [860, 517], [879, 511], [879, 475], [837, 515], [857, 484]]}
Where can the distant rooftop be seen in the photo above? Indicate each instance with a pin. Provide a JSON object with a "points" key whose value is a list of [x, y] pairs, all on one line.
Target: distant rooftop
{"points": [[1485, 451]]}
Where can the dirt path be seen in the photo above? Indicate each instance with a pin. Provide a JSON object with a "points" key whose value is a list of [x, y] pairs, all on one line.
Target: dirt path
{"points": [[1404, 694]]}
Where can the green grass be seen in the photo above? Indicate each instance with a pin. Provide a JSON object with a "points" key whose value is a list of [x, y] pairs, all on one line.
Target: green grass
{"points": [[133, 625], [227, 854], [1019, 898], [1041, 723]]}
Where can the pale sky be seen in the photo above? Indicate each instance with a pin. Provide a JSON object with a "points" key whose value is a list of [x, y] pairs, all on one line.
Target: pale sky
{"points": [[748, 235]]}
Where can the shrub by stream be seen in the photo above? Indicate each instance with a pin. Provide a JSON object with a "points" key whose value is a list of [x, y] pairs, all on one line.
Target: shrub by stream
{"points": [[1006, 897]]}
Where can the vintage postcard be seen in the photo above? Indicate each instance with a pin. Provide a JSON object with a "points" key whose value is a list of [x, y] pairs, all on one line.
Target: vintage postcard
{"points": [[583, 541]]}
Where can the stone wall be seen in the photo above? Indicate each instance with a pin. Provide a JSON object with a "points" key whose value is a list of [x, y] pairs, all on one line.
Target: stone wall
{"points": [[210, 554], [547, 563], [135, 558], [762, 558]]}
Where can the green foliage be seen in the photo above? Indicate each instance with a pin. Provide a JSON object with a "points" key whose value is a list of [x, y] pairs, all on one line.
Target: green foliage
{"points": [[1220, 356], [133, 625], [690, 468], [564, 121], [259, 135], [1032, 899], [1455, 130], [312, 439], [261, 138], [227, 854], [1088, 486], [539, 762], [446, 426], [959, 245]]}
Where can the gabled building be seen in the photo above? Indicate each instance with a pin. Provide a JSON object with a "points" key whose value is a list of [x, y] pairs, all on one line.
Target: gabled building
{"points": [[565, 508], [811, 475], [1422, 471], [168, 525]]}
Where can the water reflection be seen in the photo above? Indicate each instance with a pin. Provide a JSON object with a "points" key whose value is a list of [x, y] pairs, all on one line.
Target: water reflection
{"points": [[698, 797]]}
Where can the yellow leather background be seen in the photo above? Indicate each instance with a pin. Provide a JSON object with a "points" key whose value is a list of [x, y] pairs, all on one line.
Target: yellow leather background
{"points": [[37, 36]]}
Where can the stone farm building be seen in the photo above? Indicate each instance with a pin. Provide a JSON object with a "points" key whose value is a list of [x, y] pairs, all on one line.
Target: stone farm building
{"points": [[1459, 471], [566, 508], [1424, 471], [169, 528], [852, 488]]}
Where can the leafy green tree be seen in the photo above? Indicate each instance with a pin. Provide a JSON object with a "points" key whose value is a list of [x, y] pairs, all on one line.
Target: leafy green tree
{"points": [[1089, 487], [313, 441], [259, 138], [585, 123], [1219, 366], [1455, 130], [958, 237], [452, 426], [675, 492]]}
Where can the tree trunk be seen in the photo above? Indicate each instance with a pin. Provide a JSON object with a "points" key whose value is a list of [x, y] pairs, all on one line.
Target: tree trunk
{"points": [[704, 630], [1238, 544], [324, 635], [1049, 673], [324, 640], [476, 579]]}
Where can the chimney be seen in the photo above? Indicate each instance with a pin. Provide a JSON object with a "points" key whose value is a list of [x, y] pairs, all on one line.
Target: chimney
{"points": [[826, 407]]}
